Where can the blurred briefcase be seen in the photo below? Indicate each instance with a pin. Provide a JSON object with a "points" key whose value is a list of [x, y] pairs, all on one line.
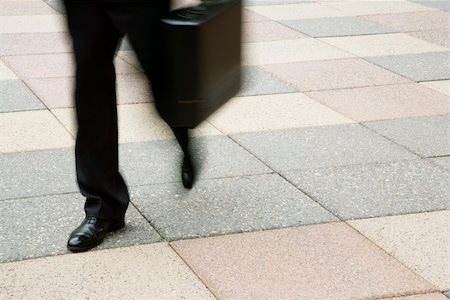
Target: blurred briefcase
{"points": [[203, 66]]}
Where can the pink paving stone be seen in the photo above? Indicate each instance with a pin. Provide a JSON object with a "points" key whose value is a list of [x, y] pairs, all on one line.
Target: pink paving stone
{"points": [[416, 21], [333, 74], [18, 8], [34, 43], [58, 92], [431, 296], [440, 37], [268, 31], [249, 16], [328, 261], [53, 65], [384, 102]]}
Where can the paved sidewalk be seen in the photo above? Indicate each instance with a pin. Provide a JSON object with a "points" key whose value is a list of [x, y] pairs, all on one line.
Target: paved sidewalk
{"points": [[326, 178]]}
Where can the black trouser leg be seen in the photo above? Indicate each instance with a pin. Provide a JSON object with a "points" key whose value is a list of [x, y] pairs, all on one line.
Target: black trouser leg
{"points": [[95, 40]]}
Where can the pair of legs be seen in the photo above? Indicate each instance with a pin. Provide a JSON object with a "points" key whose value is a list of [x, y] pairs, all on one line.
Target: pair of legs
{"points": [[96, 27]]}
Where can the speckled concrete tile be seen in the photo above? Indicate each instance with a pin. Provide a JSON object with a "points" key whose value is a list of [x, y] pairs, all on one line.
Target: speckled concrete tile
{"points": [[58, 5], [371, 190], [439, 4], [5, 72], [137, 123], [277, 52], [160, 161], [37, 130], [15, 96], [441, 161], [426, 136], [442, 86], [296, 11], [384, 102], [130, 57], [40, 226], [268, 31], [340, 26], [270, 112], [430, 296], [15, 8], [447, 294], [273, 2], [376, 7], [53, 65], [229, 205], [309, 148], [257, 82], [420, 241], [440, 37], [249, 16], [140, 272], [418, 67], [417, 21], [333, 74], [329, 261], [42, 23], [34, 43], [382, 44]]}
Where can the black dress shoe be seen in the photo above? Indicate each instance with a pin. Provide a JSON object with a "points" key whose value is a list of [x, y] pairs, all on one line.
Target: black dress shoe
{"points": [[91, 233], [187, 172]]}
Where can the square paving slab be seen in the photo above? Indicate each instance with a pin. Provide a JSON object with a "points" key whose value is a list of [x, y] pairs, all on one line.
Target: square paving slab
{"points": [[27, 24], [426, 136], [15, 96], [37, 130], [363, 191], [270, 112], [442, 86], [442, 161], [327, 146], [229, 205], [333, 74], [18, 8], [420, 241], [257, 82], [34, 43], [382, 44], [340, 26], [376, 7], [249, 16], [418, 67], [149, 271], [296, 11], [430, 296], [268, 31], [439, 37], [417, 21], [439, 4], [329, 261], [384, 102], [5, 72], [40, 226]]}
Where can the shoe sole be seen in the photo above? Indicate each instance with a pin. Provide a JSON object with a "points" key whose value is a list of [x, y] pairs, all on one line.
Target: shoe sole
{"points": [[113, 228]]}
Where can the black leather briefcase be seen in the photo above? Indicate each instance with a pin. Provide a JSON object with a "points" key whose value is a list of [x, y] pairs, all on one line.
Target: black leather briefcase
{"points": [[203, 52]]}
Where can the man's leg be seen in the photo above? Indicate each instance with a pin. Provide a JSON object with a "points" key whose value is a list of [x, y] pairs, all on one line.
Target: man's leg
{"points": [[95, 40]]}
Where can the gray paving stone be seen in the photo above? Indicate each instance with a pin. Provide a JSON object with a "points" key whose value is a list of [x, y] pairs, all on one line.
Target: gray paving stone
{"points": [[222, 206], [441, 161], [426, 136], [31, 174], [372, 190], [447, 294], [310, 148], [339, 26], [15, 96], [58, 5], [274, 2], [439, 4], [159, 161], [40, 226], [258, 82], [418, 67]]}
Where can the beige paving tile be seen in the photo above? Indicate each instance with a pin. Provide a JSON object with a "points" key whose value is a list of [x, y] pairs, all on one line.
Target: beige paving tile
{"points": [[333, 74], [276, 52], [384, 102], [268, 31], [382, 44], [376, 7], [5, 72], [17, 8], [32, 130], [249, 16], [417, 21], [420, 241], [296, 11], [43, 23], [268, 112], [53, 65], [34, 43], [137, 122], [130, 57], [328, 261], [430, 296], [440, 37], [442, 86], [142, 272]]}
